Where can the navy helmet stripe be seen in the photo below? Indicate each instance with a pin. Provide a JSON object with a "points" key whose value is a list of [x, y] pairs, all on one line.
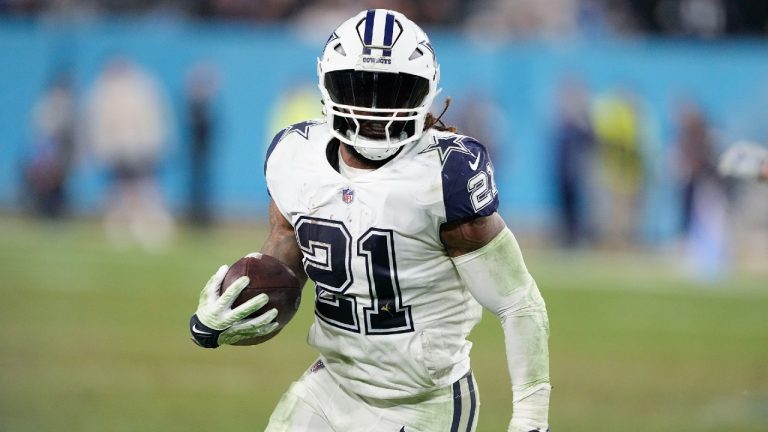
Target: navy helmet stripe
{"points": [[472, 401], [368, 35], [456, 406], [389, 27]]}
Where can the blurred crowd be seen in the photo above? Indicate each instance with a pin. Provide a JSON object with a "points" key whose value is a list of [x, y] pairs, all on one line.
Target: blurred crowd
{"points": [[505, 18], [123, 126], [604, 163], [605, 167]]}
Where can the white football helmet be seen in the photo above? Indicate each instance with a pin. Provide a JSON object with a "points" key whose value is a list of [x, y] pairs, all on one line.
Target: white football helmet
{"points": [[378, 76]]}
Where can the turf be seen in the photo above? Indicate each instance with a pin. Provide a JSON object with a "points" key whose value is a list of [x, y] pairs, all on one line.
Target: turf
{"points": [[95, 339]]}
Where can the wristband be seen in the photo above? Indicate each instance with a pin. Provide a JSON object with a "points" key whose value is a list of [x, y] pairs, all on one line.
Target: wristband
{"points": [[203, 335]]}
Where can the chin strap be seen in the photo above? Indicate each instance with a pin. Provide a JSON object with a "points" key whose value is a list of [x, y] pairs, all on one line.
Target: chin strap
{"points": [[369, 149]]}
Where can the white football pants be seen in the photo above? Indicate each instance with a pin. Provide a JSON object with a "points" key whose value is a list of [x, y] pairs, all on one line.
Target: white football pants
{"points": [[317, 403]]}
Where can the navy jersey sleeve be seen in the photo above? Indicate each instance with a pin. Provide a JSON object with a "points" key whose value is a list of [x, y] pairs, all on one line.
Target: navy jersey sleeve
{"points": [[469, 188]]}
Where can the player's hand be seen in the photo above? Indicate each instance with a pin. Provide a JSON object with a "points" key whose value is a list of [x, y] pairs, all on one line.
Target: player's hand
{"points": [[216, 323], [523, 426], [743, 160]]}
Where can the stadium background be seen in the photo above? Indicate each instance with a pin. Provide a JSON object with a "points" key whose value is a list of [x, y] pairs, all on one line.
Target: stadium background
{"points": [[659, 332]]}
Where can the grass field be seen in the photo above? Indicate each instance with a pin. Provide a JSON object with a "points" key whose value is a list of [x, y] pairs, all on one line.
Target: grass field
{"points": [[94, 339]]}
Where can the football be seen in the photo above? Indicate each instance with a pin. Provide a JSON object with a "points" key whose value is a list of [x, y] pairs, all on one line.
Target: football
{"points": [[270, 276]]}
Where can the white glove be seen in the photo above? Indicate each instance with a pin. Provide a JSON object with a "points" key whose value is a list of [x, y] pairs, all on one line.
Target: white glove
{"points": [[215, 323], [743, 160]]}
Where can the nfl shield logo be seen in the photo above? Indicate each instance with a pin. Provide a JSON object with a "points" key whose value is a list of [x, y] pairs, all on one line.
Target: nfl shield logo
{"points": [[347, 195]]}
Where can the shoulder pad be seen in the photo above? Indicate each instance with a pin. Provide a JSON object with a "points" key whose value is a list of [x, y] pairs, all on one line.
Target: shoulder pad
{"points": [[469, 187], [302, 129]]}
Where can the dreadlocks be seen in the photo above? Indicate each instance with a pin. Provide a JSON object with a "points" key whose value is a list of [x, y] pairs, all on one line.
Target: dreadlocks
{"points": [[437, 122]]}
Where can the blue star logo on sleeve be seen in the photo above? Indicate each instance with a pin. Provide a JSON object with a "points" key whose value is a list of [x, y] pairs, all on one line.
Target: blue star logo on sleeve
{"points": [[300, 128], [445, 146]]}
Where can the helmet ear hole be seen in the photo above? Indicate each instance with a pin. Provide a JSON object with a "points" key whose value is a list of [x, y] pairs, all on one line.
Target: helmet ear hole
{"points": [[416, 54]]}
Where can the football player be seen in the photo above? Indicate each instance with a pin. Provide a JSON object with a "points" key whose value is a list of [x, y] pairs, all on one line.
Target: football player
{"points": [[394, 218], [745, 160]]}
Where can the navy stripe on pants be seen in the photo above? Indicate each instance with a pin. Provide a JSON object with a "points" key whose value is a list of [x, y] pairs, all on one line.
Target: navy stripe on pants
{"points": [[457, 405]]}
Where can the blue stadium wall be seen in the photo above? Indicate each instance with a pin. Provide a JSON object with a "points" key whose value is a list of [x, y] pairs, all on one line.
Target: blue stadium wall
{"points": [[260, 66]]}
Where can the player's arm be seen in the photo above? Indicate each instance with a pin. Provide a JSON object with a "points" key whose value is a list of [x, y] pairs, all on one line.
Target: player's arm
{"points": [[281, 243], [763, 174], [745, 160], [491, 265]]}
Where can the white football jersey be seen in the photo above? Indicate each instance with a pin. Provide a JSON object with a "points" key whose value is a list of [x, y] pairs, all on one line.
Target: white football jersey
{"points": [[391, 313]]}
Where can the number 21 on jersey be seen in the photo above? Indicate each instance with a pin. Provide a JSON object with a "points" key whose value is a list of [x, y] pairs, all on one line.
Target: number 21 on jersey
{"points": [[327, 257]]}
